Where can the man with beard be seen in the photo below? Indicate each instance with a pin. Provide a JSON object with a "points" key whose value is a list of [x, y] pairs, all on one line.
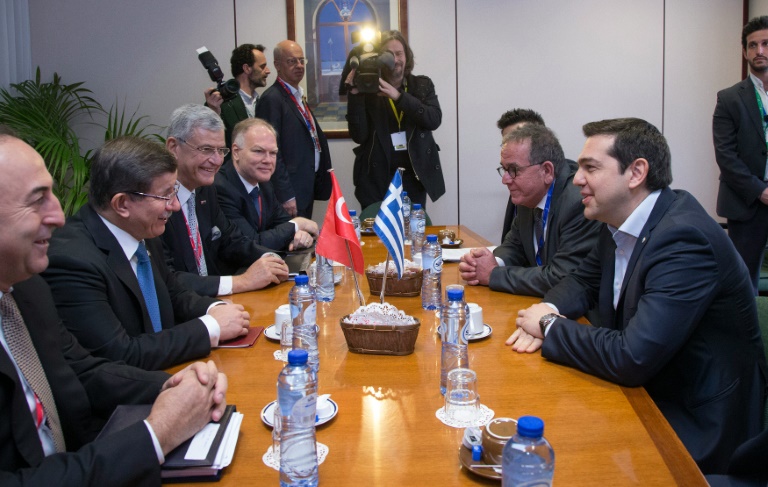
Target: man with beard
{"points": [[739, 128], [394, 129], [249, 68], [303, 159]]}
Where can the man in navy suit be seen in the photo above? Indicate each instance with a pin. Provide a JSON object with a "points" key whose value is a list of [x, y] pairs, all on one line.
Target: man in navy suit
{"points": [[201, 244], [677, 313], [54, 396], [246, 195], [303, 161], [739, 129]]}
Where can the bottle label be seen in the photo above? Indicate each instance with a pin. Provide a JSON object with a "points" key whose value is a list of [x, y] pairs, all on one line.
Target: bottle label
{"points": [[303, 411], [436, 266], [421, 225], [309, 317]]}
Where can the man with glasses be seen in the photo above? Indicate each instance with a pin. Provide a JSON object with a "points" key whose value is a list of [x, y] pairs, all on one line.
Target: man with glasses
{"points": [[549, 236], [201, 244], [246, 194], [303, 158], [109, 280]]}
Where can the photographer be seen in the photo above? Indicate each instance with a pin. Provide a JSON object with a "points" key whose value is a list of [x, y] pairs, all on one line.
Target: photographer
{"points": [[394, 129], [249, 68]]}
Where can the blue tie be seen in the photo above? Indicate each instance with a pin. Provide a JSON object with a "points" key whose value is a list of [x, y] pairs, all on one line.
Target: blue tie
{"points": [[147, 285], [256, 201]]}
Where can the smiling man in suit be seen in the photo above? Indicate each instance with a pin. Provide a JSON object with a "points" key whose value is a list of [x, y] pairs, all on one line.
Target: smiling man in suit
{"points": [[246, 194], [108, 276], [201, 244], [54, 396], [676, 308], [739, 128], [303, 159]]}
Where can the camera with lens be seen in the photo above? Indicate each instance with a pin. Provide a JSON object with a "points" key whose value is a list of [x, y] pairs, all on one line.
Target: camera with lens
{"points": [[368, 69], [228, 89]]}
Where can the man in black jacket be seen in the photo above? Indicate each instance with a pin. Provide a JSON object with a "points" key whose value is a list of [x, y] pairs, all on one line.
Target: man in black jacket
{"points": [[394, 129]]}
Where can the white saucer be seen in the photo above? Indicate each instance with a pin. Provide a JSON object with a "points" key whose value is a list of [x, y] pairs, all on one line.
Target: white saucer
{"points": [[487, 330], [268, 413], [272, 332]]}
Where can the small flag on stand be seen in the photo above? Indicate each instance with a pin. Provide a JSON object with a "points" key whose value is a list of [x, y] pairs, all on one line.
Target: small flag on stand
{"points": [[338, 240], [389, 223]]}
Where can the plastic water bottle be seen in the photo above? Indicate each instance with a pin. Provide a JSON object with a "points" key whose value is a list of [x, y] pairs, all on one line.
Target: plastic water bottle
{"points": [[356, 223], [297, 400], [454, 317], [432, 264], [406, 216], [418, 225], [303, 315], [528, 458], [324, 279]]}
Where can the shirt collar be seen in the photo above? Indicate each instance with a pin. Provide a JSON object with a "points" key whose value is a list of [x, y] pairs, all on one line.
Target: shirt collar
{"points": [[543, 203], [184, 195], [248, 186], [249, 99], [634, 224], [757, 82], [127, 242], [296, 92]]}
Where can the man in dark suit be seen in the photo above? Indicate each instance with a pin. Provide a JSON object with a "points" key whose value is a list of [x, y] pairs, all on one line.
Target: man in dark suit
{"points": [[509, 121], [303, 161], [246, 195], [95, 272], [739, 132], [54, 396], [676, 306], [201, 245], [550, 236]]}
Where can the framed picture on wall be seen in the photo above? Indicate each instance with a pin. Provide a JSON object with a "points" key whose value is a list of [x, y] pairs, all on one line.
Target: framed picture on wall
{"points": [[327, 30]]}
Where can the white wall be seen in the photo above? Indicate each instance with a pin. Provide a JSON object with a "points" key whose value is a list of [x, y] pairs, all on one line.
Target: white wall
{"points": [[572, 61]]}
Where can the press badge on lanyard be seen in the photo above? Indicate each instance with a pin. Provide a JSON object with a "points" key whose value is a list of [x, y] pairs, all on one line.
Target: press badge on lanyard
{"points": [[399, 141]]}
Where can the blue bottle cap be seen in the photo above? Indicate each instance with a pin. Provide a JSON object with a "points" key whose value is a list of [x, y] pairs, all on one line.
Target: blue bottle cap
{"points": [[417, 206], [302, 279], [431, 238], [530, 427], [352, 212], [298, 357], [454, 294], [477, 453], [405, 193]]}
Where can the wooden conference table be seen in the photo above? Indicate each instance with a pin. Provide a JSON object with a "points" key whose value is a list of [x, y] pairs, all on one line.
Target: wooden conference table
{"points": [[386, 432]]}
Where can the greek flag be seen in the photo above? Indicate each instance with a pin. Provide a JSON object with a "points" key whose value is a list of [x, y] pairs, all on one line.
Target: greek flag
{"points": [[389, 223]]}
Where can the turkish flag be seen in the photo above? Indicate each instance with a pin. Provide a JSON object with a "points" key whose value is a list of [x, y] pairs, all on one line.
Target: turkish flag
{"points": [[338, 232]]}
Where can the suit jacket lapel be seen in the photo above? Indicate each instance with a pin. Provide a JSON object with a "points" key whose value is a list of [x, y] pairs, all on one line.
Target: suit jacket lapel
{"points": [[204, 224], [230, 173], [607, 264], [749, 98], [181, 237]]}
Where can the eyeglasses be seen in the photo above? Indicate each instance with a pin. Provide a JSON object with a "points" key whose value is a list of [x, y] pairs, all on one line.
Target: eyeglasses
{"points": [[207, 150], [293, 61], [167, 198], [513, 171]]}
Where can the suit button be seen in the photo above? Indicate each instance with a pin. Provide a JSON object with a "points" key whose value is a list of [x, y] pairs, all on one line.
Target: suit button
{"points": [[421, 110], [421, 135], [429, 151]]}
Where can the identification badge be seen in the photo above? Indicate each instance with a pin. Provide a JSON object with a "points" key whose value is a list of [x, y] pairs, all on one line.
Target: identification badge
{"points": [[399, 141]]}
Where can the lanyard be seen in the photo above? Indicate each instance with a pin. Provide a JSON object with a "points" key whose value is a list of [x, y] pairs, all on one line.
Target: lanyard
{"points": [[399, 118], [304, 113], [762, 112], [544, 222], [197, 245]]}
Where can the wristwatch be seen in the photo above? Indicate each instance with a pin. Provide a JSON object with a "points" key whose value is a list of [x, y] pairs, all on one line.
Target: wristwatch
{"points": [[546, 321]]}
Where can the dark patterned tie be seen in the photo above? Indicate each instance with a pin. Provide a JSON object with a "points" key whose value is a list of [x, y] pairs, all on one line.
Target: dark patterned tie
{"points": [[538, 232], [147, 286], [256, 197], [24, 353], [194, 235]]}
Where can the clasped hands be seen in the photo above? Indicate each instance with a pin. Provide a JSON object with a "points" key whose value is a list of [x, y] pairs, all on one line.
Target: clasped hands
{"points": [[528, 338]]}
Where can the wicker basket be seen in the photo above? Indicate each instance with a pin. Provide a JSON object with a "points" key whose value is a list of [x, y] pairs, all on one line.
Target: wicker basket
{"points": [[409, 285], [380, 339]]}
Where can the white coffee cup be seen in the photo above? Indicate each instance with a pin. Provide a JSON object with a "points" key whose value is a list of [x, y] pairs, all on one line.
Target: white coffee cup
{"points": [[282, 313], [475, 318]]}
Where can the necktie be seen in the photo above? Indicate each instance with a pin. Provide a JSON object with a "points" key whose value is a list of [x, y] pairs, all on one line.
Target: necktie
{"points": [[538, 232], [194, 236], [147, 286], [25, 355], [256, 197]]}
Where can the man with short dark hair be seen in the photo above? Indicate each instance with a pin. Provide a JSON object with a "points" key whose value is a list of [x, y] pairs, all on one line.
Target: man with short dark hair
{"points": [[303, 159], [201, 244], [549, 236], [246, 194], [676, 307], [249, 67], [107, 273], [509, 121], [394, 129], [739, 128], [54, 396]]}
